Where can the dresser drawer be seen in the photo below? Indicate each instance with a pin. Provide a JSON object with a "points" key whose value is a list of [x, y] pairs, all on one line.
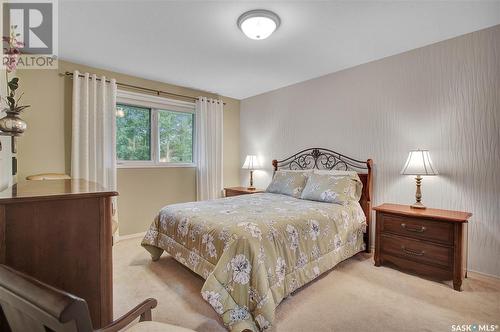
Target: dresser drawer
{"points": [[417, 228], [419, 251]]}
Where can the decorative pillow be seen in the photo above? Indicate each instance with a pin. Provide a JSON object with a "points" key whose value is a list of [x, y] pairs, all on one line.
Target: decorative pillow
{"points": [[307, 171], [288, 183], [353, 174], [335, 172], [338, 189]]}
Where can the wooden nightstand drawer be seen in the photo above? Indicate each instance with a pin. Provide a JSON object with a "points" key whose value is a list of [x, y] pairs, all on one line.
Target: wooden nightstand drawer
{"points": [[419, 251], [230, 193], [417, 228]]}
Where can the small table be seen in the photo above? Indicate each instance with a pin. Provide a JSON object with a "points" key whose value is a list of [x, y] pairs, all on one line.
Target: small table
{"points": [[428, 241], [236, 191]]}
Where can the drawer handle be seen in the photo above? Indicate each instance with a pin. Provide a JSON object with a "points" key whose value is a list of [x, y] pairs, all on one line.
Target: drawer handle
{"points": [[412, 252], [415, 230]]}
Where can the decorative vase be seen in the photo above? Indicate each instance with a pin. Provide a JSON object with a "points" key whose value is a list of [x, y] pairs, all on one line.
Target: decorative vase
{"points": [[12, 123]]}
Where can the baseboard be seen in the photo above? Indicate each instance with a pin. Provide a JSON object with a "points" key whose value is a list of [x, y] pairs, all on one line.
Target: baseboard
{"points": [[484, 274], [129, 236]]}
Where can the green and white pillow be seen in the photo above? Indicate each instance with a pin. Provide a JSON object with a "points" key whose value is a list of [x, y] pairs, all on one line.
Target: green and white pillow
{"points": [[288, 183], [329, 188]]}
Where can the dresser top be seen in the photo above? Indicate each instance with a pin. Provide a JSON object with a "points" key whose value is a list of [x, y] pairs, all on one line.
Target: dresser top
{"points": [[52, 189], [406, 210]]}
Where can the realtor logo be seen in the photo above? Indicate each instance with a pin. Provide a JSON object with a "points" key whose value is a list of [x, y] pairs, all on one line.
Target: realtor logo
{"points": [[32, 24], [29, 31]]}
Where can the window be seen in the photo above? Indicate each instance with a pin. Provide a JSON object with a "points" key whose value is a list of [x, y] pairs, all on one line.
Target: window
{"points": [[153, 131]]}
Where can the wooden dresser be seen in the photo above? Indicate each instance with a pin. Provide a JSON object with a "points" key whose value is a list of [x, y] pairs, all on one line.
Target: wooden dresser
{"points": [[59, 232], [431, 242]]}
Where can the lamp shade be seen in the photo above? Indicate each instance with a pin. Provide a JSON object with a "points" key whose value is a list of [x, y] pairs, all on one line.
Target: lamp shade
{"points": [[251, 162], [419, 163]]}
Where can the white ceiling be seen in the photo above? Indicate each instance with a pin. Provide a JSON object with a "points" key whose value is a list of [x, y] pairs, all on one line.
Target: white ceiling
{"points": [[197, 43]]}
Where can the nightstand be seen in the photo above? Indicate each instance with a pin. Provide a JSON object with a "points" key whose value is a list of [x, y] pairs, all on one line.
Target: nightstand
{"points": [[428, 241], [236, 191]]}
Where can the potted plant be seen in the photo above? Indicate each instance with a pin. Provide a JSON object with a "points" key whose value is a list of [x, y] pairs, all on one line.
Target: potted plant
{"points": [[12, 123]]}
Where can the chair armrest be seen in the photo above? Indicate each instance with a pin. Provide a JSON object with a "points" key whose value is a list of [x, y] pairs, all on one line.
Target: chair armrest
{"points": [[143, 310]]}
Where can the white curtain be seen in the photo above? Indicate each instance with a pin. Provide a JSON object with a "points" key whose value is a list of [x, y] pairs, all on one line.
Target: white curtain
{"points": [[93, 147], [209, 127]]}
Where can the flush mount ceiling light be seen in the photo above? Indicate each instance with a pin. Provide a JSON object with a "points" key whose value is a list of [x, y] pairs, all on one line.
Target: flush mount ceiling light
{"points": [[259, 23]]}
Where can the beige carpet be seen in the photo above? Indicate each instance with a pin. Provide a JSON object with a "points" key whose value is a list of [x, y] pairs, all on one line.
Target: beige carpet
{"points": [[354, 296]]}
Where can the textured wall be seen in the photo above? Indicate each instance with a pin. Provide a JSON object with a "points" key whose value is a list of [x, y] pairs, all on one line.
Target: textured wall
{"points": [[444, 97]]}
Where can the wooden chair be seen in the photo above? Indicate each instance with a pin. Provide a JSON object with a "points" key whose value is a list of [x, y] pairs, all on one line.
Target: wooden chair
{"points": [[31, 305]]}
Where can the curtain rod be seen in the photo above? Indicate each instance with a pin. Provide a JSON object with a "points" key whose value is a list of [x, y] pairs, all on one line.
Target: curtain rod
{"points": [[157, 92]]}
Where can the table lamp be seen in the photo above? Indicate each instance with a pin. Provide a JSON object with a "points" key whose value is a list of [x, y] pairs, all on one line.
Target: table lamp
{"points": [[419, 163], [251, 163]]}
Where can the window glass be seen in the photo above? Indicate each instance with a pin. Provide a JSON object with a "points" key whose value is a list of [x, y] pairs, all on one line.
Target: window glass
{"points": [[175, 136], [133, 132]]}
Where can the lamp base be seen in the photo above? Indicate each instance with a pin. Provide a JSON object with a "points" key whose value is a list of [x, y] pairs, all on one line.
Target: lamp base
{"points": [[418, 205], [418, 195], [251, 187]]}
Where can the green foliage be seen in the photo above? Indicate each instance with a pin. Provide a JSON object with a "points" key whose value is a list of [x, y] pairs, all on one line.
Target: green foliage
{"points": [[13, 84], [133, 135], [11, 100], [176, 136]]}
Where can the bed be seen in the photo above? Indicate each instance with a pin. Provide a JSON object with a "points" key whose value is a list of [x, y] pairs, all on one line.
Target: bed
{"points": [[255, 250]]}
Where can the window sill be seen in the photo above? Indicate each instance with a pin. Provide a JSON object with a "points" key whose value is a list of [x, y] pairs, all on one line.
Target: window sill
{"points": [[119, 166]]}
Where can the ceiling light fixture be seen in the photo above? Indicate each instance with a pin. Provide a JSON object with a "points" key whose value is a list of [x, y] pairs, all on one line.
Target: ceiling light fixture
{"points": [[259, 23]]}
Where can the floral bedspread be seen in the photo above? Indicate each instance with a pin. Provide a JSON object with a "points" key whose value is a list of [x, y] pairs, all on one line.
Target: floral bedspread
{"points": [[254, 250]]}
